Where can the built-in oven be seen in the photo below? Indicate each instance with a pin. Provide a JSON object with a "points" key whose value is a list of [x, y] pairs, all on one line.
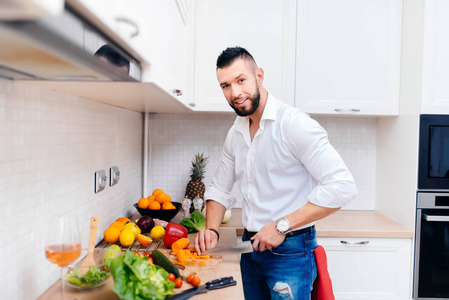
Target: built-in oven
{"points": [[431, 270]]}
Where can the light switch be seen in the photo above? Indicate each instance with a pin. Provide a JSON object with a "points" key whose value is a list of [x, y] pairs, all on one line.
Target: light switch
{"points": [[114, 175], [100, 181]]}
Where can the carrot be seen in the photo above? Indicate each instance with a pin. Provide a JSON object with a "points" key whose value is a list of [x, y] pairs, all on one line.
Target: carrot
{"points": [[182, 255], [180, 244]]}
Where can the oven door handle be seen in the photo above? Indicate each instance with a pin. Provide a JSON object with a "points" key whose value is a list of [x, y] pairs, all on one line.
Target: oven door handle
{"points": [[435, 218]]}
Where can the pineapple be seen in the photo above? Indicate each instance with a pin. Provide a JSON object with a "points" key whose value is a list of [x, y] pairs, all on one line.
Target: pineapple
{"points": [[195, 187]]}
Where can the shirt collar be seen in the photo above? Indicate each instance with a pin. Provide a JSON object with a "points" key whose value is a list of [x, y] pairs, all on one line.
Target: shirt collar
{"points": [[269, 113]]}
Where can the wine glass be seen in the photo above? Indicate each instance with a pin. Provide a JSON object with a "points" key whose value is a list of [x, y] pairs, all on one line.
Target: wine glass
{"points": [[63, 243]]}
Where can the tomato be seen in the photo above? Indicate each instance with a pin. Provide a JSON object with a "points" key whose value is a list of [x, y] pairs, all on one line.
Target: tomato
{"points": [[190, 278], [196, 281], [178, 282], [171, 277]]}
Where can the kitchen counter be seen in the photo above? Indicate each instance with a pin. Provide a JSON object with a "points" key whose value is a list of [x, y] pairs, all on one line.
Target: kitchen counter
{"points": [[229, 266], [344, 223]]}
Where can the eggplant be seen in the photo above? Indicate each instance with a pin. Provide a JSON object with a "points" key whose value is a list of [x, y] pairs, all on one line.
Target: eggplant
{"points": [[145, 223]]}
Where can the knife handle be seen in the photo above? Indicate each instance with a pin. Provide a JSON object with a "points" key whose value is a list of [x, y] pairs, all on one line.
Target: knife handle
{"points": [[221, 284], [185, 294], [219, 280]]}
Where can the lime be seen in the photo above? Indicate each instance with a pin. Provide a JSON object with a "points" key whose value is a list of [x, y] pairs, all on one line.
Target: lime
{"points": [[113, 251], [157, 232]]}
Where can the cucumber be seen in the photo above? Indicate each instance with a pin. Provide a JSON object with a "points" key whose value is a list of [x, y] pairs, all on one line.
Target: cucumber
{"points": [[161, 260]]}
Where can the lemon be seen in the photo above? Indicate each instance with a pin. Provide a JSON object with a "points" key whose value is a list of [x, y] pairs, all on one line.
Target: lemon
{"points": [[126, 237], [157, 232], [134, 228]]}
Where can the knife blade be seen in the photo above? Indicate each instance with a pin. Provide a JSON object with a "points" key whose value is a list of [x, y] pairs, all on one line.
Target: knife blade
{"points": [[237, 248], [211, 285]]}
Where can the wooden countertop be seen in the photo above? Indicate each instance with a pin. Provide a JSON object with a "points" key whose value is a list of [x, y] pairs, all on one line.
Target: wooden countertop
{"points": [[363, 224], [229, 266], [344, 223]]}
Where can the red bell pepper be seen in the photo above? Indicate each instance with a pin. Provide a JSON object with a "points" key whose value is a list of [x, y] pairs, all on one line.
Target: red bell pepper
{"points": [[174, 232]]}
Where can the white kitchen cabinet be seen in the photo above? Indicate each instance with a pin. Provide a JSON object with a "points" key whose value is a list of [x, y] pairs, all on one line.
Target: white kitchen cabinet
{"points": [[369, 268], [125, 18], [348, 56], [265, 28], [168, 45], [159, 34], [435, 68]]}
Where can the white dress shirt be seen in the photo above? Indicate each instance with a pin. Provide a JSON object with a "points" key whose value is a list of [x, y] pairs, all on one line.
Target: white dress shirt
{"points": [[289, 162]]}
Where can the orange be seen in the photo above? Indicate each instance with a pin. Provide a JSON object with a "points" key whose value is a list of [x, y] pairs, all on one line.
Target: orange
{"points": [[111, 235], [151, 198], [143, 203], [168, 205], [162, 198], [118, 225], [144, 240], [154, 205], [123, 220], [157, 191]]}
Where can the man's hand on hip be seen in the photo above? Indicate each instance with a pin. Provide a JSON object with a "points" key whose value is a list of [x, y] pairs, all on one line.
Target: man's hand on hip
{"points": [[268, 237]]}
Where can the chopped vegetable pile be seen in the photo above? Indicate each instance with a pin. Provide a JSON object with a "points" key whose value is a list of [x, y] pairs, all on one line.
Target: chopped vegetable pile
{"points": [[137, 278], [92, 277], [195, 223]]}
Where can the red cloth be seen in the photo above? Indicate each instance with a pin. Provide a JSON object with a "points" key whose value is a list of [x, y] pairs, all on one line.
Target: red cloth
{"points": [[322, 286]]}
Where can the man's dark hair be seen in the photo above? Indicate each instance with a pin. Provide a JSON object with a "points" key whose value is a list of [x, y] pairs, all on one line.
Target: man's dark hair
{"points": [[230, 54], [113, 56]]}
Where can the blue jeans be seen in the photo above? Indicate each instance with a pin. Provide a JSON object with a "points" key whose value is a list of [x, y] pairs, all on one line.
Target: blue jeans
{"points": [[284, 272]]}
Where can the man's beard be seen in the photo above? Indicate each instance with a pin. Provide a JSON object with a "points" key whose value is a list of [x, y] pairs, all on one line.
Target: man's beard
{"points": [[255, 100]]}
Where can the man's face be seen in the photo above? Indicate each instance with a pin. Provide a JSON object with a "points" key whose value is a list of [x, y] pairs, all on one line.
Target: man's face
{"points": [[240, 87]]}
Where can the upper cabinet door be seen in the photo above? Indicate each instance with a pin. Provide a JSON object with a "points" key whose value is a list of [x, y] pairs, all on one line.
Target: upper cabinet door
{"points": [[348, 56], [435, 87], [266, 28], [167, 43]]}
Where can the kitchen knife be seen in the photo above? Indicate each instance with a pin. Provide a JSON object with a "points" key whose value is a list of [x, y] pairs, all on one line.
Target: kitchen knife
{"points": [[237, 248], [211, 285]]}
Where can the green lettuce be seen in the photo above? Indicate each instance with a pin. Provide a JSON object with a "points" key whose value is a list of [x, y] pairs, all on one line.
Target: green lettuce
{"points": [[92, 277], [135, 278], [196, 222]]}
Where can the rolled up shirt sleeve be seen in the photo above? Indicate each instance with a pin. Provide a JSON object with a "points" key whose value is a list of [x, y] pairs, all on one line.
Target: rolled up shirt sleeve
{"points": [[335, 184], [221, 186]]}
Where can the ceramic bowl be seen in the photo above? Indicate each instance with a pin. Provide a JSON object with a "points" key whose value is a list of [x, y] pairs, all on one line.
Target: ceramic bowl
{"points": [[162, 214]]}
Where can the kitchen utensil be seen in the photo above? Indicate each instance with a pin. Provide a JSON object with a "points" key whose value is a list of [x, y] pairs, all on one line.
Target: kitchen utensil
{"points": [[89, 259], [211, 285], [237, 248]]}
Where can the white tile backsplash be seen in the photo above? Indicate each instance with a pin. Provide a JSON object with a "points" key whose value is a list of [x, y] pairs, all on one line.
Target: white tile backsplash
{"points": [[51, 144], [176, 138]]}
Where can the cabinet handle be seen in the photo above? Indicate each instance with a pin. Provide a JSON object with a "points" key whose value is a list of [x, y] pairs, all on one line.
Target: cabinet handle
{"points": [[130, 22], [355, 243], [350, 110], [177, 92], [192, 104]]}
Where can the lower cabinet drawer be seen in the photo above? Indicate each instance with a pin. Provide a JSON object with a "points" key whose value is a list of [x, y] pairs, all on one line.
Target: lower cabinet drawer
{"points": [[369, 268]]}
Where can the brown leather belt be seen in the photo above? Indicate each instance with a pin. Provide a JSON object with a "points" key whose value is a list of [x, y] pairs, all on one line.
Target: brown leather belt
{"points": [[250, 234]]}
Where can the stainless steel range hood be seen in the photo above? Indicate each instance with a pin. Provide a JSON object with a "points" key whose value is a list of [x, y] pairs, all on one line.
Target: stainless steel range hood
{"points": [[62, 48]]}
